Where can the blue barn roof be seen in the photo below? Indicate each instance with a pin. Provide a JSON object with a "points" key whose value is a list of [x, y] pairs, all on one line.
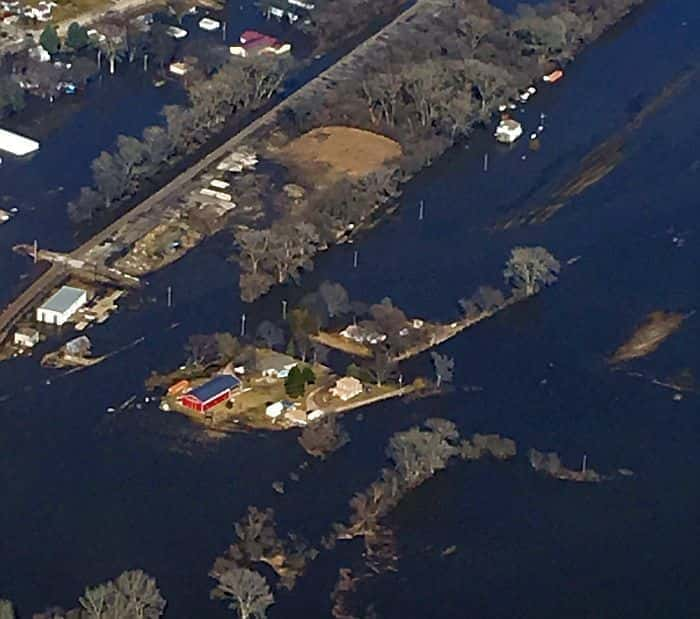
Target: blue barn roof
{"points": [[214, 387]]}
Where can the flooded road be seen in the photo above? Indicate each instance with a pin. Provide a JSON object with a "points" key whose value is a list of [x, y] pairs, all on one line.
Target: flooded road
{"points": [[87, 495]]}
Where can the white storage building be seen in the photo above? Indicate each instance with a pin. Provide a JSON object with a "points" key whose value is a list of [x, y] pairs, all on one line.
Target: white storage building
{"points": [[16, 144], [61, 305]]}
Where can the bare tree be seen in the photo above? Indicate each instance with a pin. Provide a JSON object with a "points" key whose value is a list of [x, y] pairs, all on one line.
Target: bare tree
{"points": [[335, 297], [202, 349], [97, 601], [444, 368], [323, 437], [247, 592], [141, 593], [133, 595], [418, 454], [271, 334], [530, 268], [488, 298], [382, 367]]}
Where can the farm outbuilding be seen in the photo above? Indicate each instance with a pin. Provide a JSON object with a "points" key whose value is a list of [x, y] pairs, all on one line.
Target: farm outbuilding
{"points": [[211, 393], [61, 305]]}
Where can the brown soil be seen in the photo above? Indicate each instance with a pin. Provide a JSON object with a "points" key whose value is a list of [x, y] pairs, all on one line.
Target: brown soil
{"points": [[655, 329], [336, 151]]}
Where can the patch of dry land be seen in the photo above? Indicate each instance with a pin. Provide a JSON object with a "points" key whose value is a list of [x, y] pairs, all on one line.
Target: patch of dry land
{"points": [[656, 328], [335, 152], [163, 245]]}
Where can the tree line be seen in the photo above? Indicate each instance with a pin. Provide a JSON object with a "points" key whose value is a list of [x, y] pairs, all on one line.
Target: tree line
{"points": [[132, 595], [237, 87]]}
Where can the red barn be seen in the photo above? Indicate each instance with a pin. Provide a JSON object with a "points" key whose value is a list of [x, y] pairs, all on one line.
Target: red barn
{"points": [[211, 393]]}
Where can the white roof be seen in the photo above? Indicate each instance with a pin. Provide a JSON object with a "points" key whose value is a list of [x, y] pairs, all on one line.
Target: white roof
{"points": [[62, 300], [17, 144]]}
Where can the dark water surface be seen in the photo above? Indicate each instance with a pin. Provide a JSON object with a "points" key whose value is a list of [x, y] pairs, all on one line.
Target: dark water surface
{"points": [[86, 495]]}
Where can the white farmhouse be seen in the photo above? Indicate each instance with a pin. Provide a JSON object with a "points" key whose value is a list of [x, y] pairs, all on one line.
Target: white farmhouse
{"points": [[61, 305]]}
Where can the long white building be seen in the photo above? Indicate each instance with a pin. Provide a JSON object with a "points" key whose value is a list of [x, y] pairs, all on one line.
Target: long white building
{"points": [[16, 144], [61, 305]]}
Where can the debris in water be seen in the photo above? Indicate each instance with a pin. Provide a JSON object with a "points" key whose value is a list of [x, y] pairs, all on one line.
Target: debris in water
{"points": [[449, 551], [278, 487], [294, 476]]}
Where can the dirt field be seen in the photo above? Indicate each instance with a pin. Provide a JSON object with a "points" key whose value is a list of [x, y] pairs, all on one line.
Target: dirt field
{"points": [[334, 152]]}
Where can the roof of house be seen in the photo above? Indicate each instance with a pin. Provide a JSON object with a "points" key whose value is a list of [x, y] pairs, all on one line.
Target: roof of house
{"points": [[62, 300], [273, 360], [214, 387]]}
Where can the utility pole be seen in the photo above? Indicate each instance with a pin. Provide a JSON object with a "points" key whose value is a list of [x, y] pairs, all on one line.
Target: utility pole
{"points": [[354, 260], [36, 251], [583, 465], [170, 296], [420, 211], [145, 63], [284, 309], [486, 162], [223, 33], [242, 325]]}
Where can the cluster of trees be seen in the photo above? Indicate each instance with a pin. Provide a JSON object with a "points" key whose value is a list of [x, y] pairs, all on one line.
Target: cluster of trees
{"points": [[132, 595], [417, 454], [323, 437], [332, 21], [527, 271], [246, 590], [212, 349], [274, 255], [271, 256], [238, 86], [550, 464]]}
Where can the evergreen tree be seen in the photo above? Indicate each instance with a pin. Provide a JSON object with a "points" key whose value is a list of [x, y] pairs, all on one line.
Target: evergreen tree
{"points": [[77, 37], [49, 39]]}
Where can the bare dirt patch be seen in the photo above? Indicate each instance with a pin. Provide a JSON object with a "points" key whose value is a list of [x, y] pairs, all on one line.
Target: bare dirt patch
{"points": [[335, 152], [655, 329]]}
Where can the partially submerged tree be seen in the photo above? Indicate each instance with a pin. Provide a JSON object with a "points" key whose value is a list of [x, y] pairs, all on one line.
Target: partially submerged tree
{"points": [[133, 594], [270, 334], [531, 268], [323, 437], [418, 454], [246, 591], [335, 298], [444, 368]]}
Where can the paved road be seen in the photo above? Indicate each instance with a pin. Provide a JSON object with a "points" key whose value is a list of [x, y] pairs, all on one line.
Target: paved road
{"points": [[149, 212]]}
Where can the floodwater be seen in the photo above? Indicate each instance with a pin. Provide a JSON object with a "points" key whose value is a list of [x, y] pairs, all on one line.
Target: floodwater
{"points": [[86, 495]]}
